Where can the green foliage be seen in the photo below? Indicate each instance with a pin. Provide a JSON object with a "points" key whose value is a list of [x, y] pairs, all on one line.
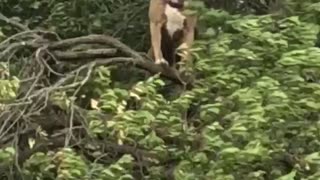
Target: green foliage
{"points": [[7, 155], [8, 86], [65, 164], [124, 19], [39, 166], [258, 67]]}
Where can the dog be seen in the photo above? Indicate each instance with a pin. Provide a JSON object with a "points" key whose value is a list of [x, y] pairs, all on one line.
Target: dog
{"points": [[169, 30]]}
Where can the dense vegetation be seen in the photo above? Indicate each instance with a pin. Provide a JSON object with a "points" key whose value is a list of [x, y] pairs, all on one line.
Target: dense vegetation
{"points": [[78, 105]]}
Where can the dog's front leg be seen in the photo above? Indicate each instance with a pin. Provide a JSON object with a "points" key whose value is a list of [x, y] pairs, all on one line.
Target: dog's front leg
{"points": [[155, 29]]}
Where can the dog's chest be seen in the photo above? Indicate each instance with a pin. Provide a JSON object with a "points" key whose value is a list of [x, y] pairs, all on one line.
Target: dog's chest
{"points": [[175, 19]]}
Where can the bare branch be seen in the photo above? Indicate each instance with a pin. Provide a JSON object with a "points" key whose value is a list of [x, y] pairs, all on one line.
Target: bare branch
{"points": [[35, 108], [91, 53], [138, 60]]}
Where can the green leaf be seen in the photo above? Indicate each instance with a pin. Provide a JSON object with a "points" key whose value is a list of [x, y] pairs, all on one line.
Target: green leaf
{"points": [[313, 158], [290, 176], [230, 150], [200, 158]]}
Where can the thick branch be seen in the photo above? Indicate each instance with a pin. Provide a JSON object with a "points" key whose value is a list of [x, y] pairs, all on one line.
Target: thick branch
{"points": [[117, 46], [91, 53], [138, 60]]}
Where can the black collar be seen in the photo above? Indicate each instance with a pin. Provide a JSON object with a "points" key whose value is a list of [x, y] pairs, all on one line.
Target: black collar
{"points": [[175, 5]]}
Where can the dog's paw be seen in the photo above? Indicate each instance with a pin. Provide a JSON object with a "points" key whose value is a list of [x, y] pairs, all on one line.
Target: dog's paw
{"points": [[161, 61]]}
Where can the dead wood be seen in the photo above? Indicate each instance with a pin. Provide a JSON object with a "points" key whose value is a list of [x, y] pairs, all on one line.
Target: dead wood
{"points": [[35, 110], [92, 53], [38, 112]]}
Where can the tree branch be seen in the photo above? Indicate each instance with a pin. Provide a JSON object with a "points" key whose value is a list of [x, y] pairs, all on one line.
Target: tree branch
{"points": [[138, 60], [91, 53]]}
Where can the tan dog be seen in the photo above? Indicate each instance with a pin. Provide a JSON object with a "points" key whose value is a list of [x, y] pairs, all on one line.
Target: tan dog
{"points": [[170, 29]]}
